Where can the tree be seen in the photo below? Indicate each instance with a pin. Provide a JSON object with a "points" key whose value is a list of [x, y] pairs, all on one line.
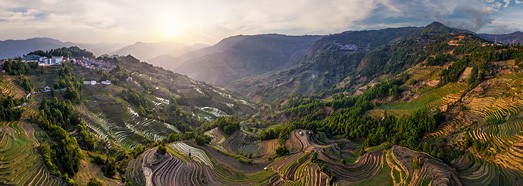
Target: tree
{"points": [[282, 151], [161, 149], [94, 182]]}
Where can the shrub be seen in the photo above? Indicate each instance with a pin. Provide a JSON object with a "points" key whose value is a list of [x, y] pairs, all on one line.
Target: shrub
{"points": [[94, 182], [282, 151]]}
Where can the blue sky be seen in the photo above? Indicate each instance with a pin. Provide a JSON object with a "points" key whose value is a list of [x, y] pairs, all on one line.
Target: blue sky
{"points": [[208, 21]]}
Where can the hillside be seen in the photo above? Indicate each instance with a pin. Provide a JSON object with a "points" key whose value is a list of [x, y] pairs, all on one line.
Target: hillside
{"points": [[347, 59], [238, 56], [461, 105], [17, 48], [125, 110], [147, 51]]}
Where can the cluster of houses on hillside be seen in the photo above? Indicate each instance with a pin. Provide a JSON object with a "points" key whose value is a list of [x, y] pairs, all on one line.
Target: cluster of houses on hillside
{"points": [[95, 64], [93, 82], [89, 63], [55, 60], [347, 47]]}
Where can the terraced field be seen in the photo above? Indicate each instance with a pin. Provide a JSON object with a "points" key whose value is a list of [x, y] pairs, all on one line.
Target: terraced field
{"points": [[216, 135], [365, 167], [297, 169], [175, 168], [5, 88], [434, 98], [494, 101], [197, 154], [233, 143], [110, 117], [174, 171], [90, 170], [134, 172], [8, 88], [401, 160], [299, 140], [476, 171], [243, 143], [20, 163], [268, 147]]}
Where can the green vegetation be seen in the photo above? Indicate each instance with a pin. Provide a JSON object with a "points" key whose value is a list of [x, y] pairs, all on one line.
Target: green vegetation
{"points": [[74, 52], [8, 112], [53, 118], [353, 123], [440, 59], [381, 178], [453, 73], [282, 151], [70, 83], [227, 124], [26, 84], [199, 137], [19, 68], [94, 182]]}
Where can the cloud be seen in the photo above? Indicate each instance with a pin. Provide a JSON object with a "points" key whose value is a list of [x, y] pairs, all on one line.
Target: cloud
{"points": [[497, 5], [459, 14], [209, 21], [507, 3]]}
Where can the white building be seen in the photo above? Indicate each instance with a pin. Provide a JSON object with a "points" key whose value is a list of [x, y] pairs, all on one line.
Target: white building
{"points": [[47, 89], [93, 82], [106, 82], [56, 60]]}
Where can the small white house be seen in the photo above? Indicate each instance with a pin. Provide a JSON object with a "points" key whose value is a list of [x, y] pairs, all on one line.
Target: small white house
{"points": [[56, 60], [106, 82], [93, 82], [47, 89]]}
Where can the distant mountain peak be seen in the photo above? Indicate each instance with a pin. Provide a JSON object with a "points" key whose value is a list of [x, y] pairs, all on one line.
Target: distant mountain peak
{"points": [[437, 26]]}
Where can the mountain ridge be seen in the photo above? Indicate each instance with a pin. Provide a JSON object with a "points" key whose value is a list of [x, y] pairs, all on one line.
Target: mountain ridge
{"points": [[18, 47], [239, 56]]}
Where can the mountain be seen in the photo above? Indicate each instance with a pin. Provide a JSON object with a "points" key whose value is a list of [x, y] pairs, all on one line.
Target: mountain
{"points": [[146, 51], [346, 59], [101, 48], [17, 48], [238, 56], [508, 39]]}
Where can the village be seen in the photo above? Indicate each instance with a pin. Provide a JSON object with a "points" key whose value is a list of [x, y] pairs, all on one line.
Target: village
{"points": [[90, 63]]}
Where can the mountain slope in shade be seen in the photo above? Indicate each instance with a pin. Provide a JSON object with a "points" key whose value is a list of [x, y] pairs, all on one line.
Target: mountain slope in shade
{"points": [[328, 61], [512, 38], [17, 48], [347, 59], [239, 56], [146, 51]]}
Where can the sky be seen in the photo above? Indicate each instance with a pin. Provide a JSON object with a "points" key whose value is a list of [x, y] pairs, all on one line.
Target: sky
{"points": [[209, 21]]}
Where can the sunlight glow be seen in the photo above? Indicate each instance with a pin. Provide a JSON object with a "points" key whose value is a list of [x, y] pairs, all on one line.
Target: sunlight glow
{"points": [[171, 28]]}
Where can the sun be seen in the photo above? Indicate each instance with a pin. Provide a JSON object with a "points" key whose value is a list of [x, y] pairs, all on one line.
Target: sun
{"points": [[171, 30], [171, 27]]}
